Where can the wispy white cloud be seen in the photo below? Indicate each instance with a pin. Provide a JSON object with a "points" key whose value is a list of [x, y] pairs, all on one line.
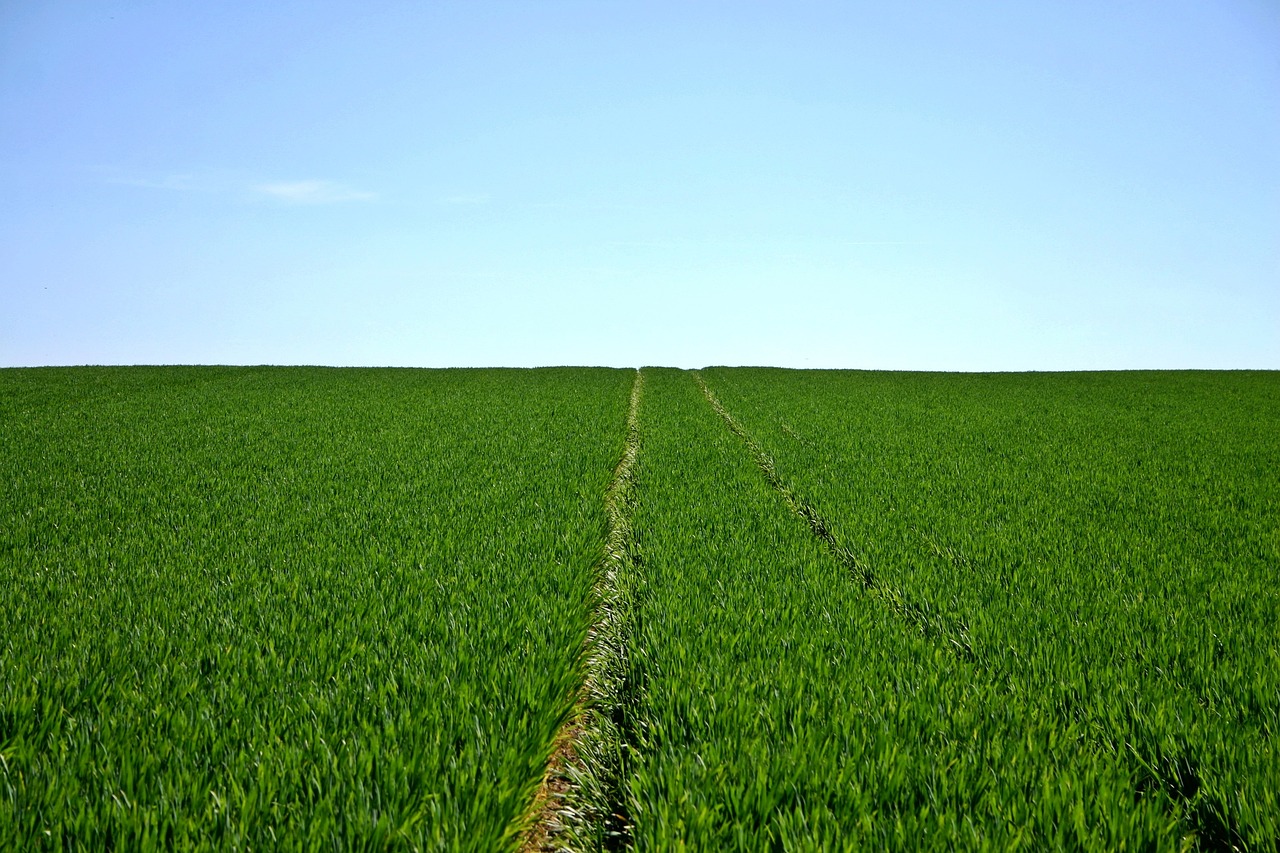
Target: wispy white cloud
{"points": [[313, 192], [230, 183]]}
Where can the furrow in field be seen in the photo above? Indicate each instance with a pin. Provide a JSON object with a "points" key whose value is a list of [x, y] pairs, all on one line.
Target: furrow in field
{"points": [[578, 805], [952, 633]]}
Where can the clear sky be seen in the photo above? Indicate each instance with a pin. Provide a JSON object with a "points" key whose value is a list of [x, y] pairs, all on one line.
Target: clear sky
{"points": [[971, 185]]}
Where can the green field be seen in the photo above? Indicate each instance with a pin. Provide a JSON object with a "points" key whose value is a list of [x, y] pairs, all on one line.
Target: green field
{"points": [[307, 608]]}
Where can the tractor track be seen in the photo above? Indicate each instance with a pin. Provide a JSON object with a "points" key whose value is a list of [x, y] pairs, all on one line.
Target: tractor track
{"points": [[578, 804], [928, 621]]}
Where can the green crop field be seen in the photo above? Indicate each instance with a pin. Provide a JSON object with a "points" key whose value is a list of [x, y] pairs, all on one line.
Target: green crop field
{"points": [[313, 608], [579, 608]]}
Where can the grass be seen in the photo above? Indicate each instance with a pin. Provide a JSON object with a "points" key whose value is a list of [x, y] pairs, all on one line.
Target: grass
{"points": [[816, 610], [296, 608]]}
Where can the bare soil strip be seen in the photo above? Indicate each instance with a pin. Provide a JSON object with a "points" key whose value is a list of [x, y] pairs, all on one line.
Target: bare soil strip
{"points": [[578, 804], [928, 621]]}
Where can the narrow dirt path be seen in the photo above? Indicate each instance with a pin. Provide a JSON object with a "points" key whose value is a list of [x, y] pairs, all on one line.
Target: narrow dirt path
{"points": [[577, 806]]}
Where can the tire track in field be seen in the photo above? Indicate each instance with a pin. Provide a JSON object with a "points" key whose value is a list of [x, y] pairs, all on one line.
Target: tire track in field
{"points": [[930, 622], [578, 805]]}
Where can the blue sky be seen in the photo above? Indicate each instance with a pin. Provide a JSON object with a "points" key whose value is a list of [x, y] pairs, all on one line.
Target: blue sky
{"points": [[944, 185]]}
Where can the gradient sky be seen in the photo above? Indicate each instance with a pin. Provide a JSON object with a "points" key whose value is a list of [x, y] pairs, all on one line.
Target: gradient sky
{"points": [[937, 185]]}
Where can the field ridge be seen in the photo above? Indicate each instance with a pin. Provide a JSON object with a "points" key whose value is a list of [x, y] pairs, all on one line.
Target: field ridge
{"points": [[578, 805]]}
